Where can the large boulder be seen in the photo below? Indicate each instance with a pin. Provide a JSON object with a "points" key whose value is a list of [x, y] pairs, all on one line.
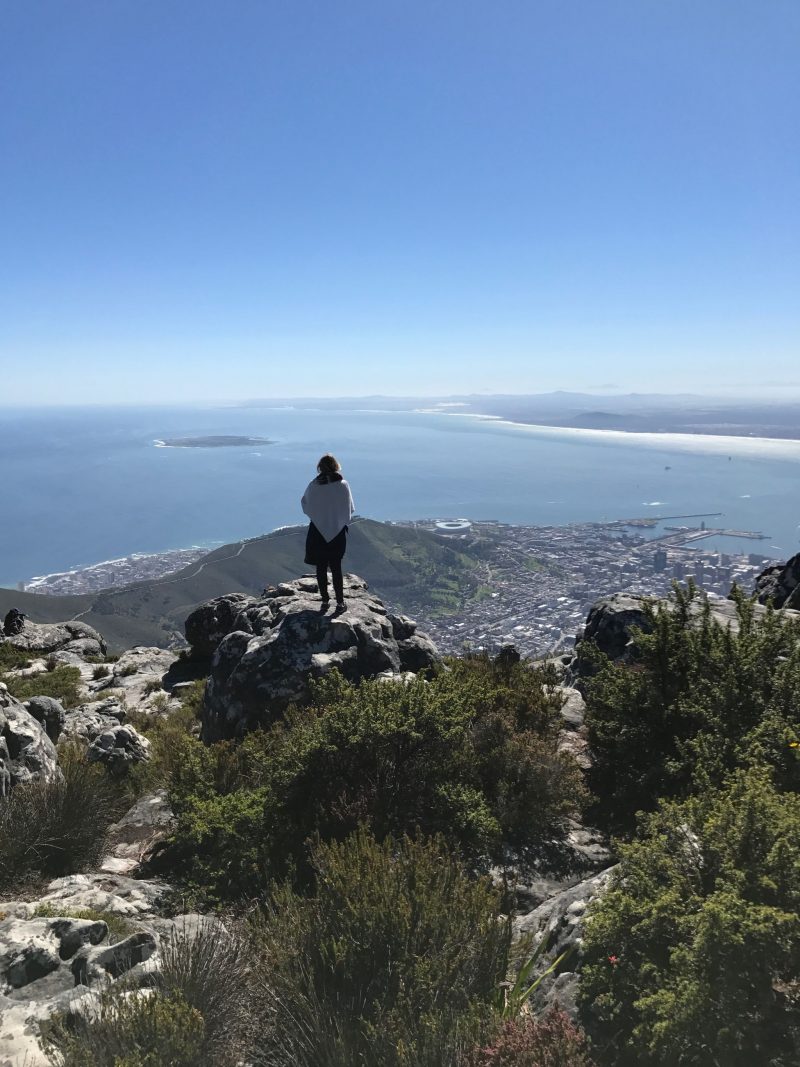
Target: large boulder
{"points": [[610, 624], [101, 727], [26, 752], [49, 713], [780, 584], [283, 639], [209, 623], [63, 637]]}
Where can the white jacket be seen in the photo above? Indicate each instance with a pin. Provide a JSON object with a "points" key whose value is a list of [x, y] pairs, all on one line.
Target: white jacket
{"points": [[329, 505]]}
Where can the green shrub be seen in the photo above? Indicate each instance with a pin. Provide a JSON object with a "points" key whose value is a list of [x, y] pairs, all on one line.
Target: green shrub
{"points": [[137, 1030], [471, 753], [52, 828], [12, 657], [551, 1041], [101, 671], [692, 956], [699, 701], [63, 683], [393, 961]]}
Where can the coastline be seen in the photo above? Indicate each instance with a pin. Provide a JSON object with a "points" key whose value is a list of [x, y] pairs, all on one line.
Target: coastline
{"points": [[779, 448], [112, 573]]}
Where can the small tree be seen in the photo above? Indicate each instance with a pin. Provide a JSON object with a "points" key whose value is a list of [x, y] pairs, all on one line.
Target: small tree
{"points": [[693, 954]]}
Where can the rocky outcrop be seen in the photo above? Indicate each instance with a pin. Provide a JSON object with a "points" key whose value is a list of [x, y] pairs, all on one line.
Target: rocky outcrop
{"points": [[26, 752], [132, 839], [108, 739], [63, 637], [609, 626], [780, 584], [209, 623], [119, 748], [282, 640]]}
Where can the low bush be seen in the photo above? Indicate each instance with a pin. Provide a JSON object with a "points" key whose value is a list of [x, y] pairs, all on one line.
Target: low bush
{"points": [[700, 700], [62, 683], [101, 671], [393, 961], [550, 1041], [140, 1029], [471, 753], [52, 828], [692, 956], [12, 657]]}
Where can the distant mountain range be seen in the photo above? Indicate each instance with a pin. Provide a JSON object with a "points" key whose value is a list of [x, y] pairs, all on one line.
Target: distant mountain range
{"points": [[411, 569]]}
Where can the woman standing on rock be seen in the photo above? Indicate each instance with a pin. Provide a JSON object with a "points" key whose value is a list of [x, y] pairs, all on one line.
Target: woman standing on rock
{"points": [[328, 502]]}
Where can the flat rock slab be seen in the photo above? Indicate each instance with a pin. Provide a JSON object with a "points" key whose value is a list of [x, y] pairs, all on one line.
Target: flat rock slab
{"points": [[44, 638]]}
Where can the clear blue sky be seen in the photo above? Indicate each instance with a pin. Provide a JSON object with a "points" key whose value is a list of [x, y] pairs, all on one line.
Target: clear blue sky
{"points": [[212, 200]]}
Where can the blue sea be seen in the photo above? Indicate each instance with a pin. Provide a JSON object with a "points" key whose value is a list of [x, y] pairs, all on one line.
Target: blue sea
{"points": [[84, 485]]}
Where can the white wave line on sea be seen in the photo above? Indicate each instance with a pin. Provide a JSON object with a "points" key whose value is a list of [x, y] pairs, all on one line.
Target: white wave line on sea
{"points": [[711, 444]]}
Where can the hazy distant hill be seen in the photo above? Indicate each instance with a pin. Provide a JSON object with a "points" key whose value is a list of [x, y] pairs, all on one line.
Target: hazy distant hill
{"points": [[413, 570]]}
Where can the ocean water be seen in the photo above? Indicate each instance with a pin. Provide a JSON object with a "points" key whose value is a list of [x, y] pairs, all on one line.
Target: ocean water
{"points": [[83, 485]]}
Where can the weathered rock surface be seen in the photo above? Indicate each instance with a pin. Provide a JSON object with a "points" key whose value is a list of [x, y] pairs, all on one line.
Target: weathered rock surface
{"points": [[119, 747], [139, 675], [26, 752], [209, 623], [780, 584], [56, 962], [49, 713], [132, 838], [561, 919], [87, 722], [43, 638], [280, 641], [101, 727]]}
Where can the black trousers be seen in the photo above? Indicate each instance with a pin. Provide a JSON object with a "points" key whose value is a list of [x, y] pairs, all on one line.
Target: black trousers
{"points": [[336, 574]]}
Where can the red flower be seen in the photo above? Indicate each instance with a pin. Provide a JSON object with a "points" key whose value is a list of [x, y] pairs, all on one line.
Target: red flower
{"points": [[613, 959]]}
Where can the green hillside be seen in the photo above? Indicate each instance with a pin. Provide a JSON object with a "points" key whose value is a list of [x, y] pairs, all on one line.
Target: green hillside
{"points": [[411, 569]]}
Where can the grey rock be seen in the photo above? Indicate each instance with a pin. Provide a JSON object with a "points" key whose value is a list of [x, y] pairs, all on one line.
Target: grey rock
{"points": [[609, 626], [49, 712], [141, 674], [133, 837], [41, 958], [95, 963], [561, 920], [87, 722], [780, 584], [43, 638], [284, 639], [573, 710], [209, 623], [26, 752], [119, 747]]}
